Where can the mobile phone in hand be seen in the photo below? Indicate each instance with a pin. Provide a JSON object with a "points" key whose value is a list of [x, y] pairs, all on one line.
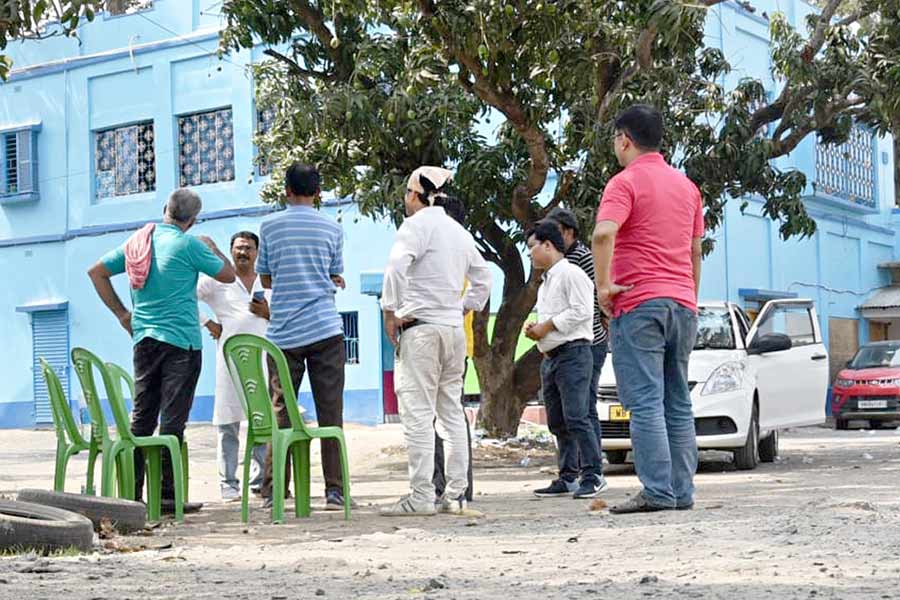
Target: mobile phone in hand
{"points": [[259, 296]]}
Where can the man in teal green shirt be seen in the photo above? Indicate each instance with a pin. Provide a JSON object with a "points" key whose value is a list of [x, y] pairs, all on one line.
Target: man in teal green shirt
{"points": [[163, 324]]}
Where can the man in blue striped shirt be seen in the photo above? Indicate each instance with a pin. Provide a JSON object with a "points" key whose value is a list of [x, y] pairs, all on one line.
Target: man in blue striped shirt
{"points": [[301, 259]]}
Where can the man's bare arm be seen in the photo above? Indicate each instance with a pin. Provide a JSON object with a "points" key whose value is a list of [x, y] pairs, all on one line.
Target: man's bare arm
{"points": [[101, 278], [697, 261]]}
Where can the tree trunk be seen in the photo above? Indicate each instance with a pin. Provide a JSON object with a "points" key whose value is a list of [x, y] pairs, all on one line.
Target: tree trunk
{"points": [[506, 384]]}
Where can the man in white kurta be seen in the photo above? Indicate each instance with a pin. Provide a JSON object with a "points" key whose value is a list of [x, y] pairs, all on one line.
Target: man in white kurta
{"points": [[423, 304], [235, 312]]}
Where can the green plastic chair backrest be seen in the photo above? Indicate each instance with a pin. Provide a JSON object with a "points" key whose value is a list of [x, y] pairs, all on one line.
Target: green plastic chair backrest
{"points": [[120, 376], [62, 417], [245, 355], [86, 363]]}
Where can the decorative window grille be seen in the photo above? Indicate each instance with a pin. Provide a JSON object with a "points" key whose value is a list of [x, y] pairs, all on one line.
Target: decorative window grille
{"points": [[206, 147], [351, 337], [18, 165], [125, 160], [847, 171], [264, 120]]}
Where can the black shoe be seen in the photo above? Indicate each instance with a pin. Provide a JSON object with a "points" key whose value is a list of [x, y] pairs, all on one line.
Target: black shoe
{"points": [[636, 504], [168, 507], [558, 487], [684, 506], [590, 487]]}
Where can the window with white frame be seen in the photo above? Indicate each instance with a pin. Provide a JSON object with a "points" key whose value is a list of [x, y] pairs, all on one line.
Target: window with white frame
{"points": [[206, 147], [351, 337], [18, 164], [124, 160]]}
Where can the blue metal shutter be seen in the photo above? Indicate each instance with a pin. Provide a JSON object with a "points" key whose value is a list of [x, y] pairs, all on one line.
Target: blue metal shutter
{"points": [[50, 341]]}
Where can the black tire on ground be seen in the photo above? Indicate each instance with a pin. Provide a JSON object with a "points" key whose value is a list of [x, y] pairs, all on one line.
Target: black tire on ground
{"points": [[747, 457], [125, 515], [883, 424], [616, 457], [768, 447], [841, 424], [25, 526]]}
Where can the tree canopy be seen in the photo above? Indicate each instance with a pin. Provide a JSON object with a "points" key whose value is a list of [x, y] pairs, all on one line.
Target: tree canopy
{"points": [[512, 94]]}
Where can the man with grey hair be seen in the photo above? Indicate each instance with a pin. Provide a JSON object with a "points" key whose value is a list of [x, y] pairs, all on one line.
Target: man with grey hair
{"points": [[163, 265]]}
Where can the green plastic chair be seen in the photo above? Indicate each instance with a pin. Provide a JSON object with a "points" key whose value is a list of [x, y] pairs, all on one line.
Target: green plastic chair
{"points": [[69, 440], [121, 451], [121, 376], [244, 354]]}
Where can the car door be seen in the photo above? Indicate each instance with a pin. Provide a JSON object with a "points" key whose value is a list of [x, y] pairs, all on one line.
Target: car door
{"points": [[792, 383]]}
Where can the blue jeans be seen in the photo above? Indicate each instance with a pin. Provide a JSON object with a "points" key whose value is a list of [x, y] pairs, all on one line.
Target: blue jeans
{"points": [[651, 345], [565, 384], [229, 442]]}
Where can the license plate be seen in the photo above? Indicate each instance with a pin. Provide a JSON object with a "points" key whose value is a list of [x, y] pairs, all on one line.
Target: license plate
{"points": [[618, 413], [872, 403]]}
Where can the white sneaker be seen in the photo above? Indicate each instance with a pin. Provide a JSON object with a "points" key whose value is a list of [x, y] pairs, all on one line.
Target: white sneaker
{"points": [[406, 507], [229, 494], [453, 506]]}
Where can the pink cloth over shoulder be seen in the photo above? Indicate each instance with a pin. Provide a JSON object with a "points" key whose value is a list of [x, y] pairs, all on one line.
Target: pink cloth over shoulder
{"points": [[139, 255]]}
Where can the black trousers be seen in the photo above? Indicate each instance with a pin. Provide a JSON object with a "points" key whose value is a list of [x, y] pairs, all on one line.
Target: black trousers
{"points": [[165, 378], [325, 361], [439, 478]]}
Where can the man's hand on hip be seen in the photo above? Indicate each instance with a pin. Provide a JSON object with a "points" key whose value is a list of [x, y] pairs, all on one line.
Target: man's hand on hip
{"points": [[392, 325], [215, 329], [125, 322], [606, 293]]}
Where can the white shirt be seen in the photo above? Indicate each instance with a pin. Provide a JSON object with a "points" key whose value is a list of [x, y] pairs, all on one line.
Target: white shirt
{"points": [[566, 297], [231, 304], [430, 260]]}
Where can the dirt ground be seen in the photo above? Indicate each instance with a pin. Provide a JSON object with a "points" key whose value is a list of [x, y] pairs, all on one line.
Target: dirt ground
{"points": [[822, 522]]}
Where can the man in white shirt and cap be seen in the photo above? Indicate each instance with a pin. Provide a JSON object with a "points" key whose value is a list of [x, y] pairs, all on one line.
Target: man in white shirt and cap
{"points": [[423, 301], [239, 307]]}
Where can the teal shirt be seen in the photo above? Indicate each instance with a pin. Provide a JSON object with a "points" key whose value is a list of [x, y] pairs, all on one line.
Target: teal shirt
{"points": [[165, 309]]}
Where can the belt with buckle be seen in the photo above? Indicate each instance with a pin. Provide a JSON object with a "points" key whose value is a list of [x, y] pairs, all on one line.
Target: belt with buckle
{"points": [[572, 344], [410, 325]]}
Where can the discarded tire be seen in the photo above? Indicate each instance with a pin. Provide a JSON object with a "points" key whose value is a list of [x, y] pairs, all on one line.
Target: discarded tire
{"points": [[27, 526], [125, 515]]}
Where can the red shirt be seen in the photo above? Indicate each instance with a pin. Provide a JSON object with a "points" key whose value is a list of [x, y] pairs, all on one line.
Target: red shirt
{"points": [[659, 213]]}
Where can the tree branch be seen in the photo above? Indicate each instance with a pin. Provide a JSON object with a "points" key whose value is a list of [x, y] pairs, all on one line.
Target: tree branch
{"points": [[818, 37], [563, 187], [643, 60], [297, 69], [507, 104]]}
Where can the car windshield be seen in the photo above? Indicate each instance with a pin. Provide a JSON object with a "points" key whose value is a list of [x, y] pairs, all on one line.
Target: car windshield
{"points": [[873, 357], [714, 331]]}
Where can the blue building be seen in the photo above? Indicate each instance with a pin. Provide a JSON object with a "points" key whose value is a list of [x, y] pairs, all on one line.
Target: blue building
{"points": [[95, 132]]}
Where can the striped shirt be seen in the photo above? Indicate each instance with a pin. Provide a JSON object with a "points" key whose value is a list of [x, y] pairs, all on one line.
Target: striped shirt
{"points": [[580, 255], [301, 249]]}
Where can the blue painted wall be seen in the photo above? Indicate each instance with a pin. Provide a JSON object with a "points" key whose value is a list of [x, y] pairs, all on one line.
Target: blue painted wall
{"points": [[159, 64]]}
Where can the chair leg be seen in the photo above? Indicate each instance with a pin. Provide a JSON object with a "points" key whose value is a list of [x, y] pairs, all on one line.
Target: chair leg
{"points": [[178, 480], [296, 454], [108, 473], [59, 471], [185, 469], [93, 451], [302, 475], [245, 480], [154, 483], [127, 466], [345, 476], [279, 454]]}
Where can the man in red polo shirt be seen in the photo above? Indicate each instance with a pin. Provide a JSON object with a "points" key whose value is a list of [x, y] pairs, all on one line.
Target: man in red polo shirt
{"points": [[647, 252]]}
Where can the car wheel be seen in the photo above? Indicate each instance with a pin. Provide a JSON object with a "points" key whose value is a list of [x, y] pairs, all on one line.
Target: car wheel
{"points": [[841, 424], [124, 515], [882, 425], [616, 457], [747, 457], [24, 525], [768, 447]]}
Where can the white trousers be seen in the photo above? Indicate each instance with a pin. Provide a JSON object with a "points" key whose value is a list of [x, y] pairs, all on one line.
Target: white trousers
{"points": [[428, 379]]}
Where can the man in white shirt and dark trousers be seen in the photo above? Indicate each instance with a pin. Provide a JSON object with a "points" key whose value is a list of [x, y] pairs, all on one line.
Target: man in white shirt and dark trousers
{"points": [[564, 334], [423, 305], [239, 307]]}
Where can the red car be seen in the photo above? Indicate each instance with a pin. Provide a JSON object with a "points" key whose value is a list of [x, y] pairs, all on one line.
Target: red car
{"points": [[869, 388]]}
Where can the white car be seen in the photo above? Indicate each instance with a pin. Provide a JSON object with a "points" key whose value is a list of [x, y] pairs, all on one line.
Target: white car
{"points": [[747, 381]]}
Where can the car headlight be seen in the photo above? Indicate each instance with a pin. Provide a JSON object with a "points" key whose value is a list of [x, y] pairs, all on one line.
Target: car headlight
{"points": [[728, 377], [844, 383]]}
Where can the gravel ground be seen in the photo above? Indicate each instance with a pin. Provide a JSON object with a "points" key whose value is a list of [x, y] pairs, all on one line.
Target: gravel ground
{"points": [[822, 522]]}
